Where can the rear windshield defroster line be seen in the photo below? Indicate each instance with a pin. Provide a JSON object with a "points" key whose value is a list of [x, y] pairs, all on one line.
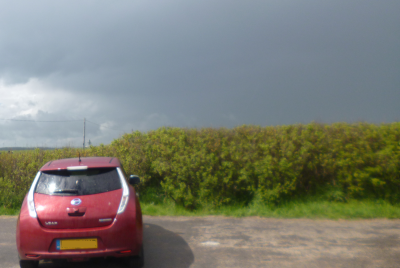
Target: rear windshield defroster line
{"points": [[79, 182]]}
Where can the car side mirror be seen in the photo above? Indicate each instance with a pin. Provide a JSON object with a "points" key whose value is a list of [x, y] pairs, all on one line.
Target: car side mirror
{"points": [[134, 179]]}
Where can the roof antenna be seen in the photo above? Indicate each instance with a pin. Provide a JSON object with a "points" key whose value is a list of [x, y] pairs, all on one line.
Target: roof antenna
{"points": [[79, 155]]}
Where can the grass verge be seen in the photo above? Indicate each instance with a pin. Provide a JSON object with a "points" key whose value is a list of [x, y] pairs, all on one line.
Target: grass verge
{"points": [[354, 209], [154, 204], [9, 211]]}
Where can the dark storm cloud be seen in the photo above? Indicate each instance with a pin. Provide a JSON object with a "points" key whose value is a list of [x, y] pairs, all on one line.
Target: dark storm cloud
{"points": [[211, 63]]}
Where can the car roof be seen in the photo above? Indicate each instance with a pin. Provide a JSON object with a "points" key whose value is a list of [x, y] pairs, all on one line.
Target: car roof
{"points": [[90, 162]]}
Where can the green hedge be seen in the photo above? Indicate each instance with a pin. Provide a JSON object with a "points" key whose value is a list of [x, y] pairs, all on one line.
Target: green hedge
{"points": [[195, 167]]}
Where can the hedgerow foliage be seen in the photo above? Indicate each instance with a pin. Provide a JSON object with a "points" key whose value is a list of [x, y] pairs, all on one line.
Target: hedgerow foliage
{"points": [[195, 167]]}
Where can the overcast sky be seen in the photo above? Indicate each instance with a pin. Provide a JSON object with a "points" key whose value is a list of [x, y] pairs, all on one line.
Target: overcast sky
{"points": [[139, 65]]}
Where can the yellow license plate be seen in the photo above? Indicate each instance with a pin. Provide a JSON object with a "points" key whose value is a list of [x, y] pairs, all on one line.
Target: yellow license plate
{"points": [[67, 244]]}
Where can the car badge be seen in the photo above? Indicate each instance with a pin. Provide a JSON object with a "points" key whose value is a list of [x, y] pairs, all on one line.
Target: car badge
{"points": [[51, 223], [76, 202]]}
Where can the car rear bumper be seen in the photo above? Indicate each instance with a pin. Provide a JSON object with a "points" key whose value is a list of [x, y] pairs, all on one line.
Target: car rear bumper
{"points": [[120, 238], [78, 255]]}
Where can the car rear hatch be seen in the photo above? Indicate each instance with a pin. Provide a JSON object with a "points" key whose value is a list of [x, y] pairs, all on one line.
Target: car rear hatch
{"points": [[67, 199]]}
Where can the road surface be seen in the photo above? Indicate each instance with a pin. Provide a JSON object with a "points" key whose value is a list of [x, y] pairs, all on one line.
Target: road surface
{"points": [[183, 242]]}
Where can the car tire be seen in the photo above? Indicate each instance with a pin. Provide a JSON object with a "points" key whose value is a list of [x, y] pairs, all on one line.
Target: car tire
{"points": [[28, 264], [136, 261]]}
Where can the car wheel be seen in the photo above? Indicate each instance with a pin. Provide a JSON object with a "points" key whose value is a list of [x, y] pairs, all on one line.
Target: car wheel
{"points": [[28, 264], [136, 261]]}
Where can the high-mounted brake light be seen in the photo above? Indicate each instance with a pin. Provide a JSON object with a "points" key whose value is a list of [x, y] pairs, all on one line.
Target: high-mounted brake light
{"points": [[125, 192], [77, 168], [31, 202]]}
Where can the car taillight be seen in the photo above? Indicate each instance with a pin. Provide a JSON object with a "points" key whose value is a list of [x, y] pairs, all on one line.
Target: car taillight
{"points": [[125, 192], [31, 202]]}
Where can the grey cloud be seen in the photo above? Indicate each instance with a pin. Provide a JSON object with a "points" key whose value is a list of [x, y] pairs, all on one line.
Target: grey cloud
{"points": [[33, 134], [204, 63]]}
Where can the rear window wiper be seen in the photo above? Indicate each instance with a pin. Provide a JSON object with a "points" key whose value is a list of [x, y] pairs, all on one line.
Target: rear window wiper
{"points": [[69, 191]]}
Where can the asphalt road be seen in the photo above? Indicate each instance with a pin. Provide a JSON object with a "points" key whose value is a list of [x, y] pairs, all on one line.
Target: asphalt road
{"points": [[182, 242]]}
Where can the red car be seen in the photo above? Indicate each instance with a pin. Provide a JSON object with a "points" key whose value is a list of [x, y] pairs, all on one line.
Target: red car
{"points": [[81, 208]]}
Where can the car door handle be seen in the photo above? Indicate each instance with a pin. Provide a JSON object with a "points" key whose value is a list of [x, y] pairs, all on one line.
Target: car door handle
{"points": [[80, 211]]}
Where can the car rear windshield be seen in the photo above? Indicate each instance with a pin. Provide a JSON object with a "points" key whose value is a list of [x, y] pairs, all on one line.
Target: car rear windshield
{"points": [[79, 182]]}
